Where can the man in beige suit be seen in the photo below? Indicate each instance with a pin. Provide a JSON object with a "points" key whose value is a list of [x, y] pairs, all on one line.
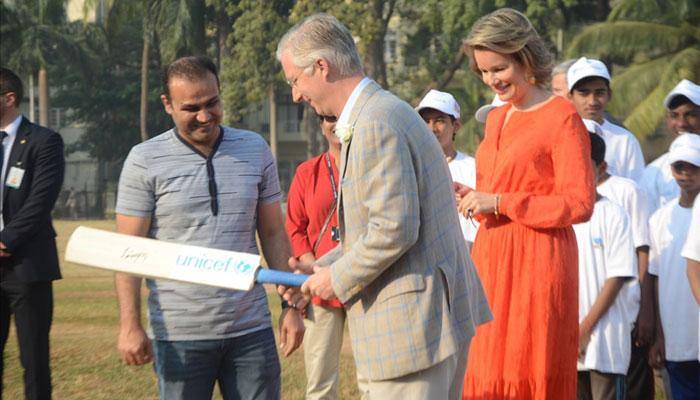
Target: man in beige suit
{"points": [[402, 270]]}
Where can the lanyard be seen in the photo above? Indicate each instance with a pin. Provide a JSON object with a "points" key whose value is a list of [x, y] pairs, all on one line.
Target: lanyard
{"points": [[330, 212], [330, 174]]}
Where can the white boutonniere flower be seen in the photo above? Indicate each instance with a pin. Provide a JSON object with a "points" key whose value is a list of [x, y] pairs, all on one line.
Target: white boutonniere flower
{"points": [[344, 133]]}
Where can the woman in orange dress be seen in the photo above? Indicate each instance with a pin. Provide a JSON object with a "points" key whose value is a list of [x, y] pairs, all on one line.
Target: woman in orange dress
{"points": [[534, 180]]}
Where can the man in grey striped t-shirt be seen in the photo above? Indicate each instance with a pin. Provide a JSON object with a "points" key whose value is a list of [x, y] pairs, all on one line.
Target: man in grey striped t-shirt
{"points": [[207, 185]]}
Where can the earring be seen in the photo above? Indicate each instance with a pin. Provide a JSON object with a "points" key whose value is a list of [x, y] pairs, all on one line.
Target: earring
{"points": [[531, 79]]}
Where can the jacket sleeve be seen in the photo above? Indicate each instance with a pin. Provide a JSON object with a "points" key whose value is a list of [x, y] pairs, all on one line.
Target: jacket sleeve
{"points": [[47, 178], [573, 197]]}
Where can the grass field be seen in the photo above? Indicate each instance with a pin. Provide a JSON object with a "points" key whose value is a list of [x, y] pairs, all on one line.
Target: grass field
{"points": [[84, 359]]}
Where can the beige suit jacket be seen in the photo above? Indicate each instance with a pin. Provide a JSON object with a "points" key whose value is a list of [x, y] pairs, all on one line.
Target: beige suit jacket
{"points": [[403, 272]]}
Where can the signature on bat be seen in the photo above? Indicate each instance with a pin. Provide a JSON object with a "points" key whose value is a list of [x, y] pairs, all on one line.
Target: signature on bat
{"points": [[134, 256]]}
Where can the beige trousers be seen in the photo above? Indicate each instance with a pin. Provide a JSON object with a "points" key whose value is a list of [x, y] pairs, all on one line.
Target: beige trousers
{"points": [[323, 341], [442, 381]]}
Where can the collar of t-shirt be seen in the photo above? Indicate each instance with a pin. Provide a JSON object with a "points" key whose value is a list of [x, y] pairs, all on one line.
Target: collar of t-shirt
{"points": [[11, 131], [343, 119], [606, 126], [195, 150], [459, 156], [609, 128]]}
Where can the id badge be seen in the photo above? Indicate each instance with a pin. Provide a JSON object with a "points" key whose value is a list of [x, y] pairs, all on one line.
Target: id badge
{"points": [[14, 177], [335, 233]]}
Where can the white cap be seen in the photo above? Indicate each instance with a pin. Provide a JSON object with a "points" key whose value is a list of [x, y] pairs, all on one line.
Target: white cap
{"points": [[584, 68], [593, 127], [441, 101], [684, 88], [484, 110], [686, 148]]}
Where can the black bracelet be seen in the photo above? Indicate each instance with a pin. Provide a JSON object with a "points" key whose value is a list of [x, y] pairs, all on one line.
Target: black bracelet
{"points": [[285, 304]]}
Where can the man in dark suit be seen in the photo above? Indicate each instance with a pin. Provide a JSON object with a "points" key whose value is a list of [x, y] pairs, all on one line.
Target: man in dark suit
{"points": [[32, 173]]}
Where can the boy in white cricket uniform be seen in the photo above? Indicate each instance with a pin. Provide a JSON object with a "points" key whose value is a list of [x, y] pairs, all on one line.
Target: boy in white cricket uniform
{"points": [[691, 252], [677, 334], [441, 112], [589, 91], [682, 115], [608, 296], [627, 194]]}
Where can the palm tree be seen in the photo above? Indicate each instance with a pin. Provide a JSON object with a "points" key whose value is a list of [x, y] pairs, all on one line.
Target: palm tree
{"points": [[251, 75], [177, 28], [42, 37], [143, 105], [655, 44]]}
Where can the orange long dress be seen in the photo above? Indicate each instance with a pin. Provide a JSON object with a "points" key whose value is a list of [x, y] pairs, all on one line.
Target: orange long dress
{"points": [[539, 163]]}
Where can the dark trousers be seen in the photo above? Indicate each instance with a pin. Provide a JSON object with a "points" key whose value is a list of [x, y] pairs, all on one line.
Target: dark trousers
{"points": [[594, 385], [640, 376], [685, 379], [32, 306]]}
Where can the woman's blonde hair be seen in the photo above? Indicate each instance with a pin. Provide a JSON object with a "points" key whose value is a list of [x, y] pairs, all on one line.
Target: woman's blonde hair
{"points": [[507, 31]]}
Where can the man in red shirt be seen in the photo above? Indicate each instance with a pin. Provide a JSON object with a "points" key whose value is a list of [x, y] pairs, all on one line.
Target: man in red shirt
{"points": [[312, 226]]}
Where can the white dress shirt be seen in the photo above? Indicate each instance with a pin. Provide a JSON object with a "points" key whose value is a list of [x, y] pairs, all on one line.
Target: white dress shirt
{"points": [[343, 118], [7, 143]]}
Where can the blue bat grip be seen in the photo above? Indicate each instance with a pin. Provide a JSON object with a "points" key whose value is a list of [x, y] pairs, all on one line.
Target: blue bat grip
{"points": [[266, 275]]}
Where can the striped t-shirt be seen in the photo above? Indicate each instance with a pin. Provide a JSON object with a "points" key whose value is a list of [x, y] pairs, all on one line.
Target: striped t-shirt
{"points": [[171, 182]]}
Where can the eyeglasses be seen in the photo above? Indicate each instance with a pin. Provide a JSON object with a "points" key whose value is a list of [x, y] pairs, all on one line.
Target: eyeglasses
{"points": [[328, 118], [293, 82], [307, 70]]}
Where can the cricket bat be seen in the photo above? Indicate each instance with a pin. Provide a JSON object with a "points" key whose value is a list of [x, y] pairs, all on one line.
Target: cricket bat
{"points": [[152, 258]]}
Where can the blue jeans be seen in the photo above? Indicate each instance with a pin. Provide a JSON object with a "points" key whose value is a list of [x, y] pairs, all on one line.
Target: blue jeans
{"points": [[246, 367], [685, 379]]}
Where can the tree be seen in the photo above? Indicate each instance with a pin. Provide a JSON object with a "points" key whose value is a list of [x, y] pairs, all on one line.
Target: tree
{"points": [[106, 105], [372, 30], [36, 36], [177, 28], [252, 74], [180, 26], [220, 17], [143, 95], [114, 18], [652, 45]]}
